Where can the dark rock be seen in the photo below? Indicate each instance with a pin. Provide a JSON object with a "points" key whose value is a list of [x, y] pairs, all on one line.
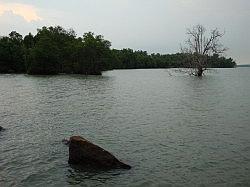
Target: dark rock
{"points": [[1, 128], [84, 153]]}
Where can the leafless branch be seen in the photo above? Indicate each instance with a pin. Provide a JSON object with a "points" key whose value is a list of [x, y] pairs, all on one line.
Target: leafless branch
{"points": [[199, 46]]}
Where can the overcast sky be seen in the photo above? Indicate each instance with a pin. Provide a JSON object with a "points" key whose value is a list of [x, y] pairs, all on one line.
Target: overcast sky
{"points": [[151, 25]]}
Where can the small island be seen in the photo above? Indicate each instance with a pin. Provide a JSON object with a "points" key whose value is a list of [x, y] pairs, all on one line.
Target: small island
{"points": [[55, 50]]}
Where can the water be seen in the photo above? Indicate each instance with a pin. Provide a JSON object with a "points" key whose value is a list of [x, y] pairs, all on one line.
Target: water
{"points": [[174, 130]]}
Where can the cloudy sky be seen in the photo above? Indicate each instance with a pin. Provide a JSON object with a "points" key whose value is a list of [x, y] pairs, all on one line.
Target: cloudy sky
{"points": [[151, 25]]}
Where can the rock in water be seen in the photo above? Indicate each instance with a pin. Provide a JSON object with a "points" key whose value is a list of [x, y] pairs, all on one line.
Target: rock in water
{"points": [[1, 128], [84, 153]]}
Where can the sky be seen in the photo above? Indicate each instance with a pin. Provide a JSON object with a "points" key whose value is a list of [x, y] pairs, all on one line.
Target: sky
{"points": [[150, 25]]}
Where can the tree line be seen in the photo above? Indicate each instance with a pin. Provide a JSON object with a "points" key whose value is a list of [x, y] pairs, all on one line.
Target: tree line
{"points": [[55, 50]]}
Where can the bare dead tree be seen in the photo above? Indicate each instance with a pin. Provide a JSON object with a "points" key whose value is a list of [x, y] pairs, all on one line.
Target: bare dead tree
{"points": [[199, 46]]}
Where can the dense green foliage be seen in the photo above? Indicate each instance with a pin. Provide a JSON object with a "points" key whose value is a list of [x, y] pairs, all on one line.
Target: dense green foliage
{"points": [[54, 50], [12, 54]]}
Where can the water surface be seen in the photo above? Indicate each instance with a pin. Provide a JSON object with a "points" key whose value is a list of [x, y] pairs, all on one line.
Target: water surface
{"points": [[173, 129]]}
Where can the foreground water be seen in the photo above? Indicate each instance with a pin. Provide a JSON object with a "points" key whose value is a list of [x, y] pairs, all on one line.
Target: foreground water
{"points": [[174, 130]]}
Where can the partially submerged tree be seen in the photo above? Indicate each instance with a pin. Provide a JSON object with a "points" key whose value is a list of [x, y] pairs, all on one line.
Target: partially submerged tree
{"points": [[200, 46]]}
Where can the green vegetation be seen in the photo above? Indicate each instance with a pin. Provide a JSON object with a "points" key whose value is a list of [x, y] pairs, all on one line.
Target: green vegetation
{"points": [[54, 50]]}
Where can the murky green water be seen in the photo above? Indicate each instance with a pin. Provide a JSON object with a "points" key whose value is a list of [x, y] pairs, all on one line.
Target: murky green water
{"points": [[173, 129]]}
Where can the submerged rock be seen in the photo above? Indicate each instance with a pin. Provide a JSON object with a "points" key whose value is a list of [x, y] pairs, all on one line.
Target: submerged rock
{"points": [[84, 153], [1, 128]]}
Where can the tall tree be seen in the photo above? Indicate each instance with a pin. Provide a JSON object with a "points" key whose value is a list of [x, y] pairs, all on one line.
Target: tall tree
{"points": [[92, 56], [199, 46], [44, 58], [12, 53]]}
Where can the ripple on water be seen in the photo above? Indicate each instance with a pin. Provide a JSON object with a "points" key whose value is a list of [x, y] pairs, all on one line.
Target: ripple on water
{"points": [[174, 130]]}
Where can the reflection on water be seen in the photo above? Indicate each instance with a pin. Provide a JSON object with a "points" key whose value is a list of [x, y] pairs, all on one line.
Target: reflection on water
{"points": [[79, 175], [173, 129]]}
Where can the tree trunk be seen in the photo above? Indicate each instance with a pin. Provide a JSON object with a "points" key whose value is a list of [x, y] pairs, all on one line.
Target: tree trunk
{"points": [[199, 72]]}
